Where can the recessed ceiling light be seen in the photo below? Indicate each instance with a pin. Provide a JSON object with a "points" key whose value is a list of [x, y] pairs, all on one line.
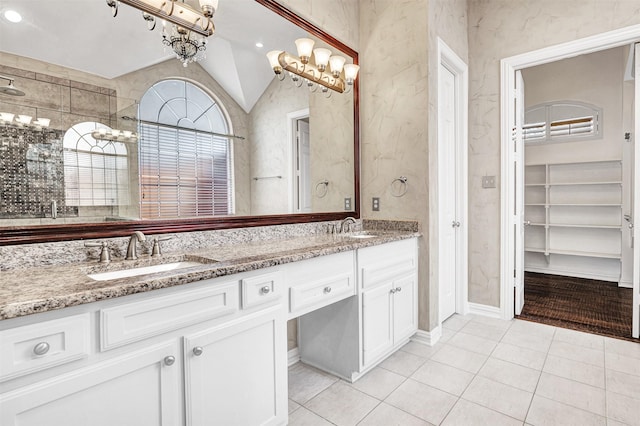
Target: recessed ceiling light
{"points": [[12, 16], [258, 44]]}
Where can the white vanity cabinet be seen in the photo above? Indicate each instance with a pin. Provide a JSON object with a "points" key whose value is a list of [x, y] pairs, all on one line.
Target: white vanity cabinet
{"points": [[388, 282], [211, 352]]}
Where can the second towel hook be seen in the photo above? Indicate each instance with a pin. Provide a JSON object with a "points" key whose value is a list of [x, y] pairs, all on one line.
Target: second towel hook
{"points": [[321, 188], [399, 186]]}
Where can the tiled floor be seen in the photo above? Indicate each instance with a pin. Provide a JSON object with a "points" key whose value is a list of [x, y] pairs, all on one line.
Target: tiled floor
{"points": [[482, 372]]}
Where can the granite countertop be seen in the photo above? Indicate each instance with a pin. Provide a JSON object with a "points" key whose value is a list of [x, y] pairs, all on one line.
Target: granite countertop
{"points": [[40, 289]]}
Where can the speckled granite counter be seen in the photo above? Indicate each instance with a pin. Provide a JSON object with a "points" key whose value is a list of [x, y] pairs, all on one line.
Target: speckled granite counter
{"points": [[41, 289]]}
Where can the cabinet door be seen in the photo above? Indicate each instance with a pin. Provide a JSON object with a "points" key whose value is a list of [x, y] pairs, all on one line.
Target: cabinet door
{"points": [[236, 374], [404, 308], [377, 325], [137, 389]]}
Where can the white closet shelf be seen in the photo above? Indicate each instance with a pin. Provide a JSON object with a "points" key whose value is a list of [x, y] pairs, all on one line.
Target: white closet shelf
{"points": [[612, 182], [578, 225], [573, 205], [586, 253]]}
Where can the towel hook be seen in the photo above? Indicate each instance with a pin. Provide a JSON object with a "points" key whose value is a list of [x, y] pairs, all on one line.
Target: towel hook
{"points": [[322, 188], [400, 188]]}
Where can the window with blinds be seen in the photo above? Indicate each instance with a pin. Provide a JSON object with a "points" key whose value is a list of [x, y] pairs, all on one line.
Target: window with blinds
{"points": [[96, 172], [185, 155], [561, 121]]}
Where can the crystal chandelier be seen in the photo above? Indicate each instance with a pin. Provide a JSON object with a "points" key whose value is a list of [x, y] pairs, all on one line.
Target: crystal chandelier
{"points": [[188, 29]]}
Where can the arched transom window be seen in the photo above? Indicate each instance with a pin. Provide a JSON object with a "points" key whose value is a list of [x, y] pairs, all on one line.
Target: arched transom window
{"points": [[185, 155]]}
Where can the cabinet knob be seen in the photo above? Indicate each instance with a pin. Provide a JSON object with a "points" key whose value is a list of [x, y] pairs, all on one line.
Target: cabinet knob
{"points": [[197, 351], [41, 348], [327, 290], [393, 290], [455, 224], [169, 360], [265, 290], [398, 289]]}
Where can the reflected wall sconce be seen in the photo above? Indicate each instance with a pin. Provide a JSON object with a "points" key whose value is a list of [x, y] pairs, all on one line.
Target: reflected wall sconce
{"points": [[187, 24], [114, 135], [328, 70], [25, 121]]}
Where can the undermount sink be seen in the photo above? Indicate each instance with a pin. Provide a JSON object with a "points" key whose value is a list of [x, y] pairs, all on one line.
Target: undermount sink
{"points": [[144, 270], [361, 235]]}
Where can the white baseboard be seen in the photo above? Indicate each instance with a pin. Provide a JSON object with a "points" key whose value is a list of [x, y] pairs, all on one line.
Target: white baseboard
{"points": [[577, 274], [428, 338], [293, 356], [625, 284], [485, 310]]}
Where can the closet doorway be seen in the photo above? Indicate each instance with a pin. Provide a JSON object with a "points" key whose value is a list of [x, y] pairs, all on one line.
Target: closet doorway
{"points": [[568, 203]]}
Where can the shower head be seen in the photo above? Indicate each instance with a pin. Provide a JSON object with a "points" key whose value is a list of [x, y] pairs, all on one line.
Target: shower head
{"points": [[10, 89]]}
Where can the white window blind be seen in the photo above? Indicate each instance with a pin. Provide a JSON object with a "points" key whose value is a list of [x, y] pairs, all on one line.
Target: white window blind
{"points": [[184, 171]]}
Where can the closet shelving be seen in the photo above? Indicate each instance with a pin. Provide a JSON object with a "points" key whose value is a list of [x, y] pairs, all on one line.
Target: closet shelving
{"points": [[574, 209]]}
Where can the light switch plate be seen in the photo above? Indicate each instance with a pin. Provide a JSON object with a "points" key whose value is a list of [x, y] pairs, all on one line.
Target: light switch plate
{"points": [[488, 181], [375, 204], [347, 203]]}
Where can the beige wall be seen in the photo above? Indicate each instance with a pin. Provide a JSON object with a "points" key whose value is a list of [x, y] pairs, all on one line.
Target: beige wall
{"points": [[499, 29]]}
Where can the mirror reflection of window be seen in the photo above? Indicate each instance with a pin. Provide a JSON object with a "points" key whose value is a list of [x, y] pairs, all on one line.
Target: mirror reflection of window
{"points": [[96, 172], [185, 153]]}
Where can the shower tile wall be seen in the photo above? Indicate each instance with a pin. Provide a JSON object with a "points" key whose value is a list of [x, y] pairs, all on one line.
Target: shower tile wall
{"points": [[31, 162]]}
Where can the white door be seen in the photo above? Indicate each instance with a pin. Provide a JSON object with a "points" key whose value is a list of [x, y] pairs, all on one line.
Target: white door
{"points": [[518, 209], [447, 189], [304, 168], [636, 200]]}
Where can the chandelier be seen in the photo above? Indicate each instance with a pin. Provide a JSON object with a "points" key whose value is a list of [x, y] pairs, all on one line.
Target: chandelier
{"points": [[186, 36], [326, 71]]}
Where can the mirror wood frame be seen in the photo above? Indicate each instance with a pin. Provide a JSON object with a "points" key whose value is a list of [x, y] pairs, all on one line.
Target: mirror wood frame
{"points": [[50, 233]]}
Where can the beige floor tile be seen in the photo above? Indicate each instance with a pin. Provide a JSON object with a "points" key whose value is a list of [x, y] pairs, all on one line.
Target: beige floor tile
{"points": [[546, 412], [499, 397], [293, 406], [622, 347], [511, 374], [623, 383], [447, 334], [623, 409], [521, 356], [420, 349], [379, 383], [341, 404], [575, 370], [490, 332], [455, 322], [572, 393], [422, 401], [460, 358], [473, 343], [305, 382], [466, 413], [527, 340], [492, 322], [388, 415], [443, 377], [624, 364], [528, 327], [578, 338], [403, 363], [577, 353], [304, 417]]}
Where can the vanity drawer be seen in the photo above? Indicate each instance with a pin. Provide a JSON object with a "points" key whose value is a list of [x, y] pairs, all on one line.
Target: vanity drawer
{"points": [[260, 289], [35, 347], [381, 264], [318, 282], [130, 322]]}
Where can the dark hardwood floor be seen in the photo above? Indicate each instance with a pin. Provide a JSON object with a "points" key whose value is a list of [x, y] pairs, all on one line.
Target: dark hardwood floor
{"points": [[593, 306]]}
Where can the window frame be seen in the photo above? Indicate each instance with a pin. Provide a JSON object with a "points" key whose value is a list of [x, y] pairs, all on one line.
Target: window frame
{"points": [[583, 109]]}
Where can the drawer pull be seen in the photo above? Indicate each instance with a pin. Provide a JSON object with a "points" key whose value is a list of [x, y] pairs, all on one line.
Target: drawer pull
{"points": [[169, 360], [265, 290], [327, 290], [197, 351], [41, 348]]}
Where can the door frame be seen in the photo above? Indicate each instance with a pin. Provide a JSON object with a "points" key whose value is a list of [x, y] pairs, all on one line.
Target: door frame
{"points": [[453, 63], [508, 67], [292, 130]]}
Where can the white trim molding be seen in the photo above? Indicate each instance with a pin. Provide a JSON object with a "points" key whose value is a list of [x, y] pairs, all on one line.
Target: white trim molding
{"points": [[485, 310], [508, 67], [293, 356], [428, 338]]}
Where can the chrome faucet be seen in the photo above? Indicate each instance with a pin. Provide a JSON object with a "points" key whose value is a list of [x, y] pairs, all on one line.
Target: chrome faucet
{"points": [[347, 221], [132, 252]]}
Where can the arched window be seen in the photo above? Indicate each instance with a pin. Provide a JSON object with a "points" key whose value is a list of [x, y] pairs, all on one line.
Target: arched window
{"points": [[185, 153], [96, 172], [562, 121]]}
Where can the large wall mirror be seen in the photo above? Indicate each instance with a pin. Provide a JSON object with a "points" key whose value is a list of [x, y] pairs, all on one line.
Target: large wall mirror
{"points": [[224, 128]]}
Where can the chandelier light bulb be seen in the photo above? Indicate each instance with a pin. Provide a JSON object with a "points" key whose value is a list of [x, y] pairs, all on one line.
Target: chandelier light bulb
{"points": [[322, 58], [350, 72], [273, 60], [305, 48]]}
